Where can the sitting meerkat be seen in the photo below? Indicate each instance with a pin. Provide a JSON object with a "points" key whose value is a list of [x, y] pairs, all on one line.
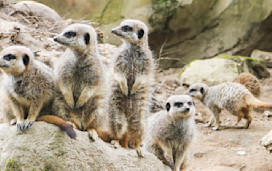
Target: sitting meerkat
{"points": [[131, 80], [233, 97], [80, 81], [28, 89], [171, 132], [250, 82]]}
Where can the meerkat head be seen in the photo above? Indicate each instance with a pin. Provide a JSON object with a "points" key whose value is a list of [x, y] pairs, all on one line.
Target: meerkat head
{"points": [[78, 37], [180, 106], [15, 60], [132, 31], [197, 90]]}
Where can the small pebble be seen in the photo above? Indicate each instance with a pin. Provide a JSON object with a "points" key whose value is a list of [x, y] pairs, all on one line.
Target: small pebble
{"points": [[241, 153]]}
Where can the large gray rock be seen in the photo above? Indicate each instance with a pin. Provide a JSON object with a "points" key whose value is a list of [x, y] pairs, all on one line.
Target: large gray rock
{"points": [[266, 56], [211, 71], [45, 147], [201, 29], [38, 10]]}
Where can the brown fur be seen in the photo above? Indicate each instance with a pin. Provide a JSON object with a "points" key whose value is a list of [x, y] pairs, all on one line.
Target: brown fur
{"points": [[233, 97], [171, 132], [250, 82], [131, 80], [28, 88], [81, 82]]}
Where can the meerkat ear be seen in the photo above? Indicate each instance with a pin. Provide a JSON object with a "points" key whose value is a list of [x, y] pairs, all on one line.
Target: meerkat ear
{"points": [[26, 60], [140, 33], [87, 38], [193, 103], [202, 90]]}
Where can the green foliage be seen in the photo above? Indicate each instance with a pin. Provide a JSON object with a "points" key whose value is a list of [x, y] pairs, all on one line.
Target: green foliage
{"points": [[239, 58], [11, 165]]}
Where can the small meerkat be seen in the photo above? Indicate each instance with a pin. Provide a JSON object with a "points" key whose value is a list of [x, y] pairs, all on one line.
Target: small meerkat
{"points": [[27, 89], [250, 82], [233, 97], [131, 80], [80, 81], [171, 132]]}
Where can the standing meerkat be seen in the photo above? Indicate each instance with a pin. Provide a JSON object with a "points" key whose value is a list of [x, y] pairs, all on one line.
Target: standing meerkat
{"points": [[171, 133], [233, 97], [131, 80], [28, 89], [80, 81], [250, 82]]}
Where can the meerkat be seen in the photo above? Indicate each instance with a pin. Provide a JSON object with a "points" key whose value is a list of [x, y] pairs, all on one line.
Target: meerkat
{"points": [[171, 132], [233, 97], [250, 82], [131, 80], [27, 89], [80, 81]]}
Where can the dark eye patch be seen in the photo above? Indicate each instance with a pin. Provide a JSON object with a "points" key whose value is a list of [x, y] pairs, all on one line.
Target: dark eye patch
{"points": [[178, 104], [70, 34], [9, 57], [140, 34], [167, 106], [192, 90], [126, 28], [202, 90], [189, 103]]}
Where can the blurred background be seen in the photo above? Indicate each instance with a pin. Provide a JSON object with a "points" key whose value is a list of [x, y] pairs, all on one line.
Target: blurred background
{"points": [[182, 30]]}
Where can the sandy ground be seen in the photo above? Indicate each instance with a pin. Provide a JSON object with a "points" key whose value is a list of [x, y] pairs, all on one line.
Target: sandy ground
{"points": [[220, 150]]}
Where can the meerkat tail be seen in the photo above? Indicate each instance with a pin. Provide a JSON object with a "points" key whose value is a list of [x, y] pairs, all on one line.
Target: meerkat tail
{"points": [[252, 101], [60, 123]]}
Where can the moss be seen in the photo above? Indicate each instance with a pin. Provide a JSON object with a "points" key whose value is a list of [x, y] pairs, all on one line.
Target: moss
{"points": [[12, 165], [183, 69], [239, 58], [162, 13]]}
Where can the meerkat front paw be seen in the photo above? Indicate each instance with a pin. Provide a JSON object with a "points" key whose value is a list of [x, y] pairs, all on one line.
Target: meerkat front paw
{"points": [[20, 125], [216, 128], [27, 123], [93, 134], [140, 152], [13, 121], [115, 143]]}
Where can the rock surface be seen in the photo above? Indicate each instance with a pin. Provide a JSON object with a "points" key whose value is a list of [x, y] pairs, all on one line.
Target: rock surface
{"points": [[45, 147], [211, 71], [266, 56], [266, 141], [202, 29]]}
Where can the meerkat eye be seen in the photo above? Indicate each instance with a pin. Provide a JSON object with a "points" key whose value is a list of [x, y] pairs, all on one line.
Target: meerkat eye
{"points": [[167, 106], [189, 103], [9, 57], [192, 90], [126, 28], [178, 104], [70, 34]]}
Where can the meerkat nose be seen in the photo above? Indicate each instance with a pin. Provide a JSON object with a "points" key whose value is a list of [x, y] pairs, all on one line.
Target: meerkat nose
{"points": [[187, 108], [113, 31], [55, 39]]}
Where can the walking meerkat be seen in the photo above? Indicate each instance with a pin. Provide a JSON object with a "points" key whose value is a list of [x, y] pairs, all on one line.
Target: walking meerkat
{"points": [[233, 97], [250, 82], [27, 90], [131, 80], [80, 81], [171, 132]]}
